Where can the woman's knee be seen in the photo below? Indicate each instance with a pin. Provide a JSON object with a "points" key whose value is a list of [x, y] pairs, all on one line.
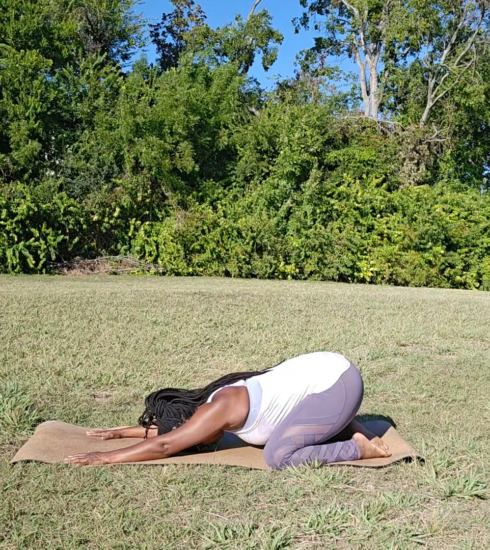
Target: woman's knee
{"points": [[273, 459], [355, 383]]}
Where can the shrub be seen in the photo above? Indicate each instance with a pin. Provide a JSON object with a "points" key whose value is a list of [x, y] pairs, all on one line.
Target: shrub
{"points": [[35, 231], [355, 232]]}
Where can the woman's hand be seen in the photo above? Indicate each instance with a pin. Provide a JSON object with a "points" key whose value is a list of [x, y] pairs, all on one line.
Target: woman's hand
{"points": [[109, 433], [123, 432], [205, 424], [87, 459]]}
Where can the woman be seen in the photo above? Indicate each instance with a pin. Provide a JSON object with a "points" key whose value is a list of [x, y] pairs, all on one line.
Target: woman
{"points": [[294, 409]]}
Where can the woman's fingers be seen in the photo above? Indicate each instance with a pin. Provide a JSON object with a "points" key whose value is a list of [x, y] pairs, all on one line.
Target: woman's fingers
{"points": [[77, 460], [85, 459], [103, 434]]}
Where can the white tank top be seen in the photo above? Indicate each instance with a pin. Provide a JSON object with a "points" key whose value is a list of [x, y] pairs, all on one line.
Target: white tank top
{"points": [[274, 394]]}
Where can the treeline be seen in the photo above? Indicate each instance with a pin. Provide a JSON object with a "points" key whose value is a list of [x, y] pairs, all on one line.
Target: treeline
{"points": [[377, 177]]}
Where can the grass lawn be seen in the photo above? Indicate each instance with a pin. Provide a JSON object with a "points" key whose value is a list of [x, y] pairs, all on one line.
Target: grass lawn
{"points": [[87, 351]]}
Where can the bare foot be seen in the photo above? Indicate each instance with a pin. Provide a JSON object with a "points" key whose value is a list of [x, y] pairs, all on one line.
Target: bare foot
{"points": [[378, 442], [371, 449]]}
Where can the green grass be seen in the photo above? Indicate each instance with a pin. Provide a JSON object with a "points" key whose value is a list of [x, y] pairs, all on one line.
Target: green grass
{"points": [[87, 351]]}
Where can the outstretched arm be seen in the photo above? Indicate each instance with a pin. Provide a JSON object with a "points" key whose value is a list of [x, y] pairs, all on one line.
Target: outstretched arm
{"points": [[208, 421], [123, 432]]}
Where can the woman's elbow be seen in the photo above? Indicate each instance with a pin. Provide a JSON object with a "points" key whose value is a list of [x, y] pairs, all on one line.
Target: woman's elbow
{"points": [[162, 448]]}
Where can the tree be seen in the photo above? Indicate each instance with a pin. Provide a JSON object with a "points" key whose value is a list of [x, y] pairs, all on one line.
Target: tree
{"points": [[172, 35], [452, 40], [446, 38], [66, 30], [241, 41], [109, 27], [185, 30], [59, 61]]}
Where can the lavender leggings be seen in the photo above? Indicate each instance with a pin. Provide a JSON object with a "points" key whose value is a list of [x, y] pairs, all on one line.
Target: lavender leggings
{"points": [[303, 435]]}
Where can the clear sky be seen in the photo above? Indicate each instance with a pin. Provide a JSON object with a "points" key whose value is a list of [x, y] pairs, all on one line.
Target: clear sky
{"points": [[221, 12]]}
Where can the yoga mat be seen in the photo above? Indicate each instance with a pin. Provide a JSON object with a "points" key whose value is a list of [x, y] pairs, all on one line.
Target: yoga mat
{"points": [[53, 441]]}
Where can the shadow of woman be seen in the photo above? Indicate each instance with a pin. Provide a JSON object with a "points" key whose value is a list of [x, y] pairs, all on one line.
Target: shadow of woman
{"points": [[363, 418]]}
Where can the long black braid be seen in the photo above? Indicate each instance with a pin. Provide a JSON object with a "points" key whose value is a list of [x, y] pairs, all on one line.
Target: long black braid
{"points": [[171, 407]]}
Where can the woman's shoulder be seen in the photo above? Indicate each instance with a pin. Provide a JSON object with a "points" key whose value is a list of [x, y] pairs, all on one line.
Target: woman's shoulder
{"points": [[220, 391]]}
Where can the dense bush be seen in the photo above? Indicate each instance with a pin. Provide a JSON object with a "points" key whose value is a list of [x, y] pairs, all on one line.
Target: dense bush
{"points": [[45, 225], [355, 232], [191, 165], [34, 232]]}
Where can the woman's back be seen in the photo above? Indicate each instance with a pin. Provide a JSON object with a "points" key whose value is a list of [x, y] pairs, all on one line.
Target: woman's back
{"points": [[276, 392]]}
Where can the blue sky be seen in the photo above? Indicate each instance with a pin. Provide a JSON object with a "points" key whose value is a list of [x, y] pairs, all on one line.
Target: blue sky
{"points": [[221, 12]]}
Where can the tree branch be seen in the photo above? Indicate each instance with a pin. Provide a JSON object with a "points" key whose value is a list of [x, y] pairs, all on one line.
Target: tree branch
{"points": [[435, 84], [458, 78], [449, 47], [350, 7], [253, 8], [471, 41]]}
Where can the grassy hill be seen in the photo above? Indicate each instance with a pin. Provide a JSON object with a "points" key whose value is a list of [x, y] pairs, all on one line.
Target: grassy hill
{"points": [[88, 350]]}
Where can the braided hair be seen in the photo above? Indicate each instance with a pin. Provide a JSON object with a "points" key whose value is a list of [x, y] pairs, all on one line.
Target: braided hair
{"points": [[171, 407]]}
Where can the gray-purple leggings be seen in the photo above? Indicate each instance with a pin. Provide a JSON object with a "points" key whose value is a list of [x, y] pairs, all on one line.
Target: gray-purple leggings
{"points": [[303, 436]]}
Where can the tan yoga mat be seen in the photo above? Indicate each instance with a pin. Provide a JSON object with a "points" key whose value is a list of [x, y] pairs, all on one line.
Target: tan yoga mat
{"points": [[53, 441]]}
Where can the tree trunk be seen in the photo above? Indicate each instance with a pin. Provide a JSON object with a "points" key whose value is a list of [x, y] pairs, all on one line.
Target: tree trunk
{"points": [[364, 88], [373, 88]]}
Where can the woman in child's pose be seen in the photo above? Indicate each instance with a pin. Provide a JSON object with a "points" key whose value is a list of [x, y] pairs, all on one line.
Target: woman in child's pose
{"points": [[294, 409]]}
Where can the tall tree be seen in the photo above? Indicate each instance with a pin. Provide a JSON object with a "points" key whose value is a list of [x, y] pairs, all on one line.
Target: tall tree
{"points": [[382, 37], [173, 33], [109, 27], [63, 30], [58, 58], [243, 40], [452, 40], [240, 42]]}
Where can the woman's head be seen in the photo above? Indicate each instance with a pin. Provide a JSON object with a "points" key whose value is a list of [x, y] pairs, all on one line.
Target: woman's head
{"points": [[170, 408]]}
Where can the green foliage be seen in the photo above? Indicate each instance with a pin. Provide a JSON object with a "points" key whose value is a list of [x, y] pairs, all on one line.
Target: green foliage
{"points": [[294, 137], [191, 165], [421, 65], [242, 41], [58, 71], [172, 34], [163, 135], [46, 225], [63, 31], [34, 232], [109, 27], [239, 43], [355, 232], [25, 110]]}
